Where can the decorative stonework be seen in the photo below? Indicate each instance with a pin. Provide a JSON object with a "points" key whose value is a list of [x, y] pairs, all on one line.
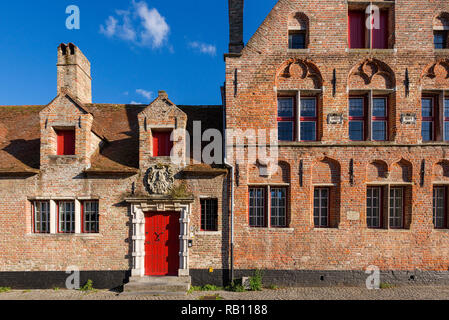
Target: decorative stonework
{"points": [[159, 179], [371, 74], [335, 118], [408, 118]]}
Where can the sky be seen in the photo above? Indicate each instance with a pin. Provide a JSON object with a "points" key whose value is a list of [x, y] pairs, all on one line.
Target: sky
{"points": [[136, 47]]}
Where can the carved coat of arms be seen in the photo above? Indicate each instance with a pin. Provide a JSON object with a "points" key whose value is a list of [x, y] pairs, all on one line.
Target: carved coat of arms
{"points": [[159, 179]]}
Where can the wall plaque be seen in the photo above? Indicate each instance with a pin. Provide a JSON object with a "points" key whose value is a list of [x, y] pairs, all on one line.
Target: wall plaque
{"points": [[335, 118], [408, 118]]}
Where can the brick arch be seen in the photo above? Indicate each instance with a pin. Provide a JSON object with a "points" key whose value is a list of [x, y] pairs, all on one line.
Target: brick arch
{"points": [[258, 172], [298, 20], [371, 74], [436, 75], [441, 21], [440, 171], [326, 170], [401, 171], [377, 170], [298, 73]]}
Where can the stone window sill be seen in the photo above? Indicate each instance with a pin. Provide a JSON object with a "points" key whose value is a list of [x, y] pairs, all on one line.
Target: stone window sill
{"points": [[208, 233], [367, 50], [271, 229], [65, 235]]}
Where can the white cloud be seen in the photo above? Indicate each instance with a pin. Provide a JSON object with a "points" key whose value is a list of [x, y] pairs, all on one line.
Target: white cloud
{"points": [[139, 25], [145, 93], [134, 102], [204, 47]]}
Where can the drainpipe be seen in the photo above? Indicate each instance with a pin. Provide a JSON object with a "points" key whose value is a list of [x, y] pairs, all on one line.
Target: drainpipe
{"points": [[232, 169]]}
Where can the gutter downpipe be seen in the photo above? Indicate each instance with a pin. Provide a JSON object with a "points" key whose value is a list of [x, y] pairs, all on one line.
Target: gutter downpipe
{"points": [[231, 207]]}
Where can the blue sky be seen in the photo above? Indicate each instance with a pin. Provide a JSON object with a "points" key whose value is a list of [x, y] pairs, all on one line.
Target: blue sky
{"points": [[136, 47]]}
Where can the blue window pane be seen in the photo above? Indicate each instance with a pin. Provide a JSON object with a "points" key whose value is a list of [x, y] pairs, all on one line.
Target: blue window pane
{"points": [[285, 131], [356, 107], [308, 131], [379, 107], [427, 107], [379, 130], [356, 130], [308, 108], [286, 107], [427, 131], [446, 131], [439, 39], [446, 108], [297, 41]]}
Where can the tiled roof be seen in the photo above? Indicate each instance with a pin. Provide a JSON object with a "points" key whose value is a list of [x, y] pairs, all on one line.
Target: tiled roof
{"points": [[20, 135]]}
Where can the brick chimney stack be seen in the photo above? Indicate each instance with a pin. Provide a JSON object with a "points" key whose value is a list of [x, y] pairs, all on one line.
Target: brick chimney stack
{"points": [[236, 26], [74, 72]]}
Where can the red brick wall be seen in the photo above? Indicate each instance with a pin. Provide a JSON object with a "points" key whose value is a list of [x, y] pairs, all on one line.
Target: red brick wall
{"points": [[262, 75]]}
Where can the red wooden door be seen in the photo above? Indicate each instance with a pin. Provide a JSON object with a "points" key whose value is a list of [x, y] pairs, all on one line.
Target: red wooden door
{"points": [[162, 244], [162, 144]]}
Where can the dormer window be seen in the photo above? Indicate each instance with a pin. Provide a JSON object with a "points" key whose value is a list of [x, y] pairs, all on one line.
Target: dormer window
{"points": [[297, 39], [65, 142], [441, 31], [298, 26], [162, 144], [370, 27]]}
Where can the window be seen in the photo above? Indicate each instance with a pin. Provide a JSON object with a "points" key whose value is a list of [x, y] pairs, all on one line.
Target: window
{"points": [[428, 119], [374, 207], [41, 216], [259, 204], [321, 208], [359, 110], [380, 119], [90, 216], [308, 119], [257, 207], [66, 217], [286, 118], [440, 207], [357, 119], [374, 37], [397, 208], [440, 39], [65, 142], [209, 214], [162, 144], [278, 207], [297, 39]]}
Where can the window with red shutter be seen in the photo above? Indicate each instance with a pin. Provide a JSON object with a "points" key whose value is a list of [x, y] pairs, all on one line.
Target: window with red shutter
{"points": [[380, 36], [162, 144], [65, 142], [357, 29]]}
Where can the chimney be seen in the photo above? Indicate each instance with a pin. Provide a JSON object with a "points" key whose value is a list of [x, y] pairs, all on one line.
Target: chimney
{"points": [[74, 72], [236, 26]]}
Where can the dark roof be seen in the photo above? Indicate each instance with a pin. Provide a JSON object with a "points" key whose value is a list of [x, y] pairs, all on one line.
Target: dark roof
{"points": [[20, 135]]}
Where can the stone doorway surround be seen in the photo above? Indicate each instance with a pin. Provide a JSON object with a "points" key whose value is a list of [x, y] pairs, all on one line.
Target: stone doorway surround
{"points": [[158, 204]]}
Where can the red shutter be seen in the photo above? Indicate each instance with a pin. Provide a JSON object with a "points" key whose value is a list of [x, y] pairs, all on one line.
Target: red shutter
{"points": [[356, 24], [65, 142], [162, 144], [380, 36]]}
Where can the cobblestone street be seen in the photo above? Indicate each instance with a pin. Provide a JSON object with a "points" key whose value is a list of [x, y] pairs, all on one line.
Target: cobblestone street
{"points": [[331, 293]]}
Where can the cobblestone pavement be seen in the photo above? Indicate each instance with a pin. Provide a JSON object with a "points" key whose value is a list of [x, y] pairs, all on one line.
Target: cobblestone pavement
{"points": [[332, 293]]}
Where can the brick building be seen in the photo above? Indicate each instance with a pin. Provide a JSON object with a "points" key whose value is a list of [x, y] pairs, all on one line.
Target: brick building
{"points": [[356, 97]]}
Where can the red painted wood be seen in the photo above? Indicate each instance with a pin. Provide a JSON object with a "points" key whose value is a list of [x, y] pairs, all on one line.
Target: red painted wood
{"points": [[162, 244], [380, 36], [357, 29], [65, 142], [162, 145]]}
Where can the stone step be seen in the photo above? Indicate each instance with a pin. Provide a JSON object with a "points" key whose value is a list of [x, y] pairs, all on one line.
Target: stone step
{"points": [[157, 285], [187, 280], [153, 293]]}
